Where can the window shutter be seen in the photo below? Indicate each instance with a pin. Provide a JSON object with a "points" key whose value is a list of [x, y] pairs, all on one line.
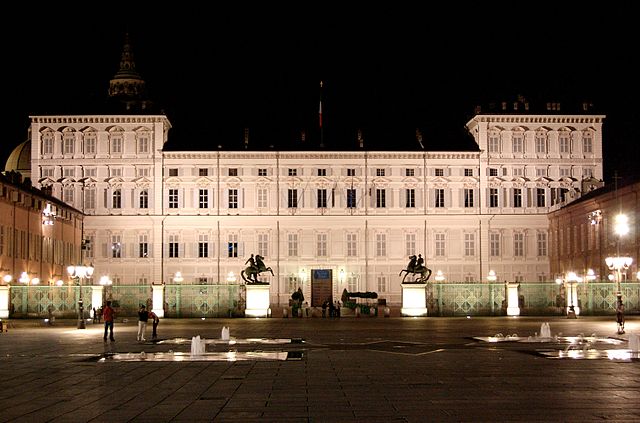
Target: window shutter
{"points": [[240, 249], [389, 194], [403, 198]]}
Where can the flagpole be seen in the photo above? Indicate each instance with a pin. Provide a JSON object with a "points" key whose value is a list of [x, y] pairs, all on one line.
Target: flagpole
{"points": [[320, 118]]}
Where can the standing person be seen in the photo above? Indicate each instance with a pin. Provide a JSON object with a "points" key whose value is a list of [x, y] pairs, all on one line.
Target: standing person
{"points": [[94, 314], [108, 314], [143, 318], [154, 321]]}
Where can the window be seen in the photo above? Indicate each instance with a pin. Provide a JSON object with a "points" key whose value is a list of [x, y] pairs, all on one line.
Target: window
{"points": [[321, 245], [322, 172], [439, 172], [381, 198], [468, 172], [67, 194], [518, 171], [88, 247], [541, 172], [292, 283], [292, 198], [203, 172], [379, 172], [493, 171], [587, 144], [292, 245], [411, 198], [90, 144], [116, 199], [351, 198], [469, 245], [439, 200], [587, 173], [90, 198], [494, 245], [203, 198], [518, 244], [262, 198], [351, 172], [47, 144], [143, 199], [68, 142], [116, 145], [174, 249], [262, 172], [232, 246], [540, 197], [173, 198], [565, 171], [293, 172], [517, 197], [409, 172], [468, 197], [351, 245], [382, 283], [494, 144], [233, 198], [263, 245], [493, 197], [564, 143], [116, 246], [142, 171], [48, 172], [203, 245], [409, 244], [233, 172], [381, 245], [517, 143], [440, 244], [542, 244], [352, 283], [143, 246], [173, 172], [69, 172], [322, 198], [115, 172], [541, 144], [143, 144]]}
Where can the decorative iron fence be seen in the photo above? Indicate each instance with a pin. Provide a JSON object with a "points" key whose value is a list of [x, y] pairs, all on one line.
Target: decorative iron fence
{"points": [[228, 300]]}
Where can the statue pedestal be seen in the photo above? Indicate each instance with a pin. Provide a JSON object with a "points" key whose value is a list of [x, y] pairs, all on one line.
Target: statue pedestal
{"points": [[257, 300], [414, 299]]}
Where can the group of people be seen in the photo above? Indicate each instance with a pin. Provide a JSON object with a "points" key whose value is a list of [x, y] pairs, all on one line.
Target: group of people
{"points": [[109, 314], [334, 308]]}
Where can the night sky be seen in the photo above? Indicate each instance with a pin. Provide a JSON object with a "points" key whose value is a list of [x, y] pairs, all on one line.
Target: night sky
{"points": [[386, 70]]}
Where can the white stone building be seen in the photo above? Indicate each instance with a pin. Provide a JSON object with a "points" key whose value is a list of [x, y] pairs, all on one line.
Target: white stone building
{"points": [[152, 213]]}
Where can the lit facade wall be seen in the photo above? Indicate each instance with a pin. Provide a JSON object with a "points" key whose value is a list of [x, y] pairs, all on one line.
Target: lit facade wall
{"points": [[152, 213]]}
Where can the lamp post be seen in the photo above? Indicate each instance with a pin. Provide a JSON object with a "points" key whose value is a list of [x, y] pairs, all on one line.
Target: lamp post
{"points": [[570, 280], [25, 279], [619, 263], [439, 277], [80, 272]]}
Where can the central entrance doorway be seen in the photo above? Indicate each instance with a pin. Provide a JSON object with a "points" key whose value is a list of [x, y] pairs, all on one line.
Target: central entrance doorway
{"points": [[321, 286]]}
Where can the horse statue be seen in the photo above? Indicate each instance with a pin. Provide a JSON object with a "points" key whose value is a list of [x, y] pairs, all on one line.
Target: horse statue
{"points": [[416, 267], [256, 266]]}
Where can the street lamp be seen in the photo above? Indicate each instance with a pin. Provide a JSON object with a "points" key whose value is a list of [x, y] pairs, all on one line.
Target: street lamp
{"points": [[619, 263], [106, 281], [492, 277], [79, 273], [571, 279], [439, 276], [25, 279]]}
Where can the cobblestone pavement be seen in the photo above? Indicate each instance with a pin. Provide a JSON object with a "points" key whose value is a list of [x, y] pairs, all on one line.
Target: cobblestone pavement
{"points": [[367, 369]]}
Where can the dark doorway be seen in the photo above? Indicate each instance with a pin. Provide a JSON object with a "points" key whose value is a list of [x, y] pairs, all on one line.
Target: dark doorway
{"points": [[321, 286]]}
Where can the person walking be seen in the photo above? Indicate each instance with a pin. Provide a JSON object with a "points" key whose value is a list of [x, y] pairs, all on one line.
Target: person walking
{"points": [[108, 313], [143, 318], [154, 322]]}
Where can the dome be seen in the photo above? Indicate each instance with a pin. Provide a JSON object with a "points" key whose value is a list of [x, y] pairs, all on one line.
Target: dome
{"points": [[20, 159]]}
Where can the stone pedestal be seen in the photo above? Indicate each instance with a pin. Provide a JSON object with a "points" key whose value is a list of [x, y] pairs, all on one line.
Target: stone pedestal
{"points": [[4, 301], [513, 307], [414, 299], [257, 300]]}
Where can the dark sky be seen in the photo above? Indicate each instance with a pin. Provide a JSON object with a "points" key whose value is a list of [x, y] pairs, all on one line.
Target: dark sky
{"points": [[387, 70]]}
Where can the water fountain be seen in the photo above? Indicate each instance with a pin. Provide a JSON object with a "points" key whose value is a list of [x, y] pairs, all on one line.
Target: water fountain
{"points": [[197, 346], [545, 330]]}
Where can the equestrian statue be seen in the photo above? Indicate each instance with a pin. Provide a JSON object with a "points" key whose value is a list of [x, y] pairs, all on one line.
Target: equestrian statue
{"points": [[256, 266], [416, 267]]}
